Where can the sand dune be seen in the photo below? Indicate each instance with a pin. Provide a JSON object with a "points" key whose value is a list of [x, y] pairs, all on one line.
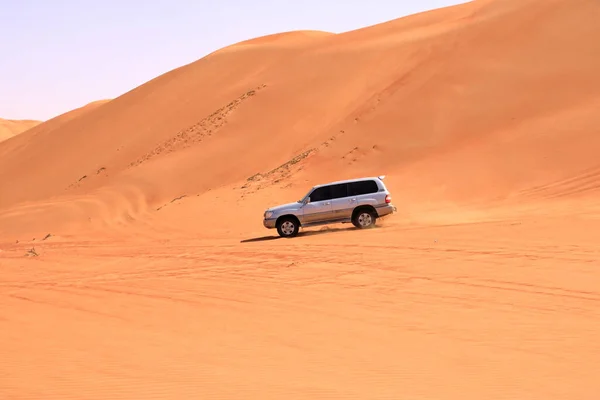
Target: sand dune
{"points": [[285, 38], [11, 127], [452, 116], [135, 264]]}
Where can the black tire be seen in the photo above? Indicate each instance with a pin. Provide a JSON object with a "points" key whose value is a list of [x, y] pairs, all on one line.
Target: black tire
{"points": [[364, 218], [288, 227]]}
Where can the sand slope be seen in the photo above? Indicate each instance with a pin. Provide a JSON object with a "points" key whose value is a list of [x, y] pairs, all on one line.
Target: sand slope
{"points": [[455, 114], [135, 264], [11, 127]]}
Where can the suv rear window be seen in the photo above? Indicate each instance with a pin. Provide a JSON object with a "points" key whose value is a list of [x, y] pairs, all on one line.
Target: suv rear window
{"points": [[363, 187]]}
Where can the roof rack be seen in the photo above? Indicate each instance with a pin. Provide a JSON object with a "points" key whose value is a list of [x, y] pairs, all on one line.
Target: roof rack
{"points": [[382, 177]]}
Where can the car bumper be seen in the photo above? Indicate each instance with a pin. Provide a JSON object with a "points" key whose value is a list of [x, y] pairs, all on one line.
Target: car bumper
{"points": [[386, 210], [269, 223]]}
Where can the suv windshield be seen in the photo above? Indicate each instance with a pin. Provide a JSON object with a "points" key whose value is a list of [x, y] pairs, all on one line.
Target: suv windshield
{"points": [[305, 196]]}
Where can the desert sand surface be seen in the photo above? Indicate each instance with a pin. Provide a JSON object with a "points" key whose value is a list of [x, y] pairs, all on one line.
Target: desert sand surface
{"points": [[134, 263], [12, 127]]}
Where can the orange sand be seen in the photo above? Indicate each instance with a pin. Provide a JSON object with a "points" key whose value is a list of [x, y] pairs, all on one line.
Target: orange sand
{"points": [[158, 280], [11, 127]]}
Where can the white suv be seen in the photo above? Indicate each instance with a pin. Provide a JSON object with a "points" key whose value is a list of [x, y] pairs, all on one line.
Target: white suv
{"points": [[360, 201]]}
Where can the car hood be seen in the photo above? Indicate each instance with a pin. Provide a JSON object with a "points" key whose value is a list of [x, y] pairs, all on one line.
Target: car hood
{"points": [[285, 207]]}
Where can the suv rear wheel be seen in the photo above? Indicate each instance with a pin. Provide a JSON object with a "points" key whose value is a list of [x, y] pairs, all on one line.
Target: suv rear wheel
{"points": [[288, 227], [364, 218]]}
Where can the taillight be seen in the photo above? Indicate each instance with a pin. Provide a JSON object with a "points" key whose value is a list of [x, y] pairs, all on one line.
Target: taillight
{"points": [[388, 199]]}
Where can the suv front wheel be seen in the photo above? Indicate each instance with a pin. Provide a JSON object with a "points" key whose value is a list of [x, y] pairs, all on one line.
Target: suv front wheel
{"points": [[288, 227], [364, 218]]}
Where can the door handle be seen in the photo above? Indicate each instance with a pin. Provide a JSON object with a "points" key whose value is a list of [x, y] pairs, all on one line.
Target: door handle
{"points": [[352, 199], [327, 203]]}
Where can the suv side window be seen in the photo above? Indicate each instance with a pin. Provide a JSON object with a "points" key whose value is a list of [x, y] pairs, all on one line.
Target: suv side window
{"points": [[321, 194], [363, 187], [339, 191]]}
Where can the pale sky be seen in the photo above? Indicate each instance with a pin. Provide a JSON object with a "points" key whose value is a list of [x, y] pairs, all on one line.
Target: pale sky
{"points": [[57, 55]]}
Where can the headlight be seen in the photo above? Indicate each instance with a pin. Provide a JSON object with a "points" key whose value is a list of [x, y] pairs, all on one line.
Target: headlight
{"points": [[268, 214]]}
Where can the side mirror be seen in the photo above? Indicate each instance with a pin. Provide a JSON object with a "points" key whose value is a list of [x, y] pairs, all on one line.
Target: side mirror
{"points": [[307, 200]]}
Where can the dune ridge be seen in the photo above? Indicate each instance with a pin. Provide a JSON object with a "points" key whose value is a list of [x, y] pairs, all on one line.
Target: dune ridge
{"points": [[11, 127], [135, 264]]}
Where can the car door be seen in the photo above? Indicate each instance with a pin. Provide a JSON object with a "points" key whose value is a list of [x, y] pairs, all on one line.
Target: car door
{"points": [[319, 207], [341, 204]]}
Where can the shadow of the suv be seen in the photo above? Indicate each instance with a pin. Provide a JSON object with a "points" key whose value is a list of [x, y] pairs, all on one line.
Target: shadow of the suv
{"points": [[300, 234]]}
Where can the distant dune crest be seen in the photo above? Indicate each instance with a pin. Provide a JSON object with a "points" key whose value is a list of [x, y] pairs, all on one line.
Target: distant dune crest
{"points": [[11, 127], [286, 37]]}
